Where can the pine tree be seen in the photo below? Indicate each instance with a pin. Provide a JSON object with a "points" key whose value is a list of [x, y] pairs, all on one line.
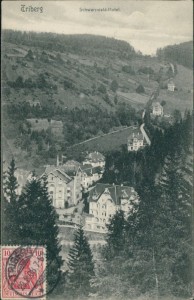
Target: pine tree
{"points": [[174, 221], [81, 266], [10, 183], [9, 206], [37, 225], [115, 236]]}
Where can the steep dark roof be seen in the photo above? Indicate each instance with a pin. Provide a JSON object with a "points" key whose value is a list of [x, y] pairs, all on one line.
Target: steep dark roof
{"points": [[89, 170], [72, 163], [156, 104], [138, 136], [95, 157], [116, 192], [58, 172]]}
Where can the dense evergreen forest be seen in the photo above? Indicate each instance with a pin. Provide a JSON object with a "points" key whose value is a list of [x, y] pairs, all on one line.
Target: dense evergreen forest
{"points": [[181, 54], [77, 44], [133, 168], [153, 252]]}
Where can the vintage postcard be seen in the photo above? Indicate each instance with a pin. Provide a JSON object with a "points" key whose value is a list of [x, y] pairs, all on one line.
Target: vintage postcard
{"points": [[97, 150]]}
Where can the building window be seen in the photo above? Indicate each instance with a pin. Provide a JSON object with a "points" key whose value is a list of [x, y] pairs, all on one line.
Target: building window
{"points": [[51, 194]]}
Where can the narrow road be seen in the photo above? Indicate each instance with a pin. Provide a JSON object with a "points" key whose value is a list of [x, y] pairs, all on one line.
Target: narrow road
{"points": [[145, 134]]}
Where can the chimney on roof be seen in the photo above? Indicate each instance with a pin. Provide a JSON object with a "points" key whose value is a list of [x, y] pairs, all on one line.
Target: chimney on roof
{"points": [[57, 160]]}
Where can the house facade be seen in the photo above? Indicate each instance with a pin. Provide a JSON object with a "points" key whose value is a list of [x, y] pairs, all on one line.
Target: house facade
{"points": [[171, 86], [157, 109], [105, 200], [22, 177], [135, 142], [34, 103], [90, 175], [96, 159], [64, 186]]}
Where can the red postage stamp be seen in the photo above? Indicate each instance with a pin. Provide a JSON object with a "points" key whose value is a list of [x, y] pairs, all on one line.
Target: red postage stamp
{"points": [[23, 272]]}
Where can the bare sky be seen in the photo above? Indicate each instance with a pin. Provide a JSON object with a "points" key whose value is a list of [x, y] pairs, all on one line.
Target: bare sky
{"points": [[146, 25]]}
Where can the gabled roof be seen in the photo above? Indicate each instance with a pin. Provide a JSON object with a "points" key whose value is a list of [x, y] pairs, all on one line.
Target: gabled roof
{"points": [[156, 104], [85, 167], [171, 82], [69, 172], [58, 172], [71, 167], [95, 157], [89, 170], [138, 136], [116, 192], [72, 163]]}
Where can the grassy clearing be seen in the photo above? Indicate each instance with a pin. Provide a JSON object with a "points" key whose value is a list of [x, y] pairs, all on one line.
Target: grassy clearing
{"points": [[184, 78], [134, 97], [175, 100], [106, 143]]}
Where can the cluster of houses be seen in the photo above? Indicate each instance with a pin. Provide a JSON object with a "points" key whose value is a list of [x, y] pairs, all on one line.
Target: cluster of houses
{"points": [[105, 200], [67, 181]]}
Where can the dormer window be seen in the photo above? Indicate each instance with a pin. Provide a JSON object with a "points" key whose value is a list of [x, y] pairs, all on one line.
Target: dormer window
{"points": [[106, 191]]}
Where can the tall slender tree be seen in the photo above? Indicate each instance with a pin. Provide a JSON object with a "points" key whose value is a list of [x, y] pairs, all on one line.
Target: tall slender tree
{"points": [[10, 230], [81, 267], [37, 223], [10, 183], [115, 235]]}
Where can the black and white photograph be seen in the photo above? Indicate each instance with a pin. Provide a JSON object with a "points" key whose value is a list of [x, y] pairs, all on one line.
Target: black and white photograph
{"points": [[97, 150]]}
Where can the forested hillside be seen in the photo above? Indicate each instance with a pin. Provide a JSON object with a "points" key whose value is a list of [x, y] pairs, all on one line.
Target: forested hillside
{"points": [[82, 44], [181, 54], [86, 85]]}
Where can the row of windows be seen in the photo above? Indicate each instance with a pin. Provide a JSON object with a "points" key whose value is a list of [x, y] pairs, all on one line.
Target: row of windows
{"points": [[100, 220], [59, 194], [103, 214]]}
